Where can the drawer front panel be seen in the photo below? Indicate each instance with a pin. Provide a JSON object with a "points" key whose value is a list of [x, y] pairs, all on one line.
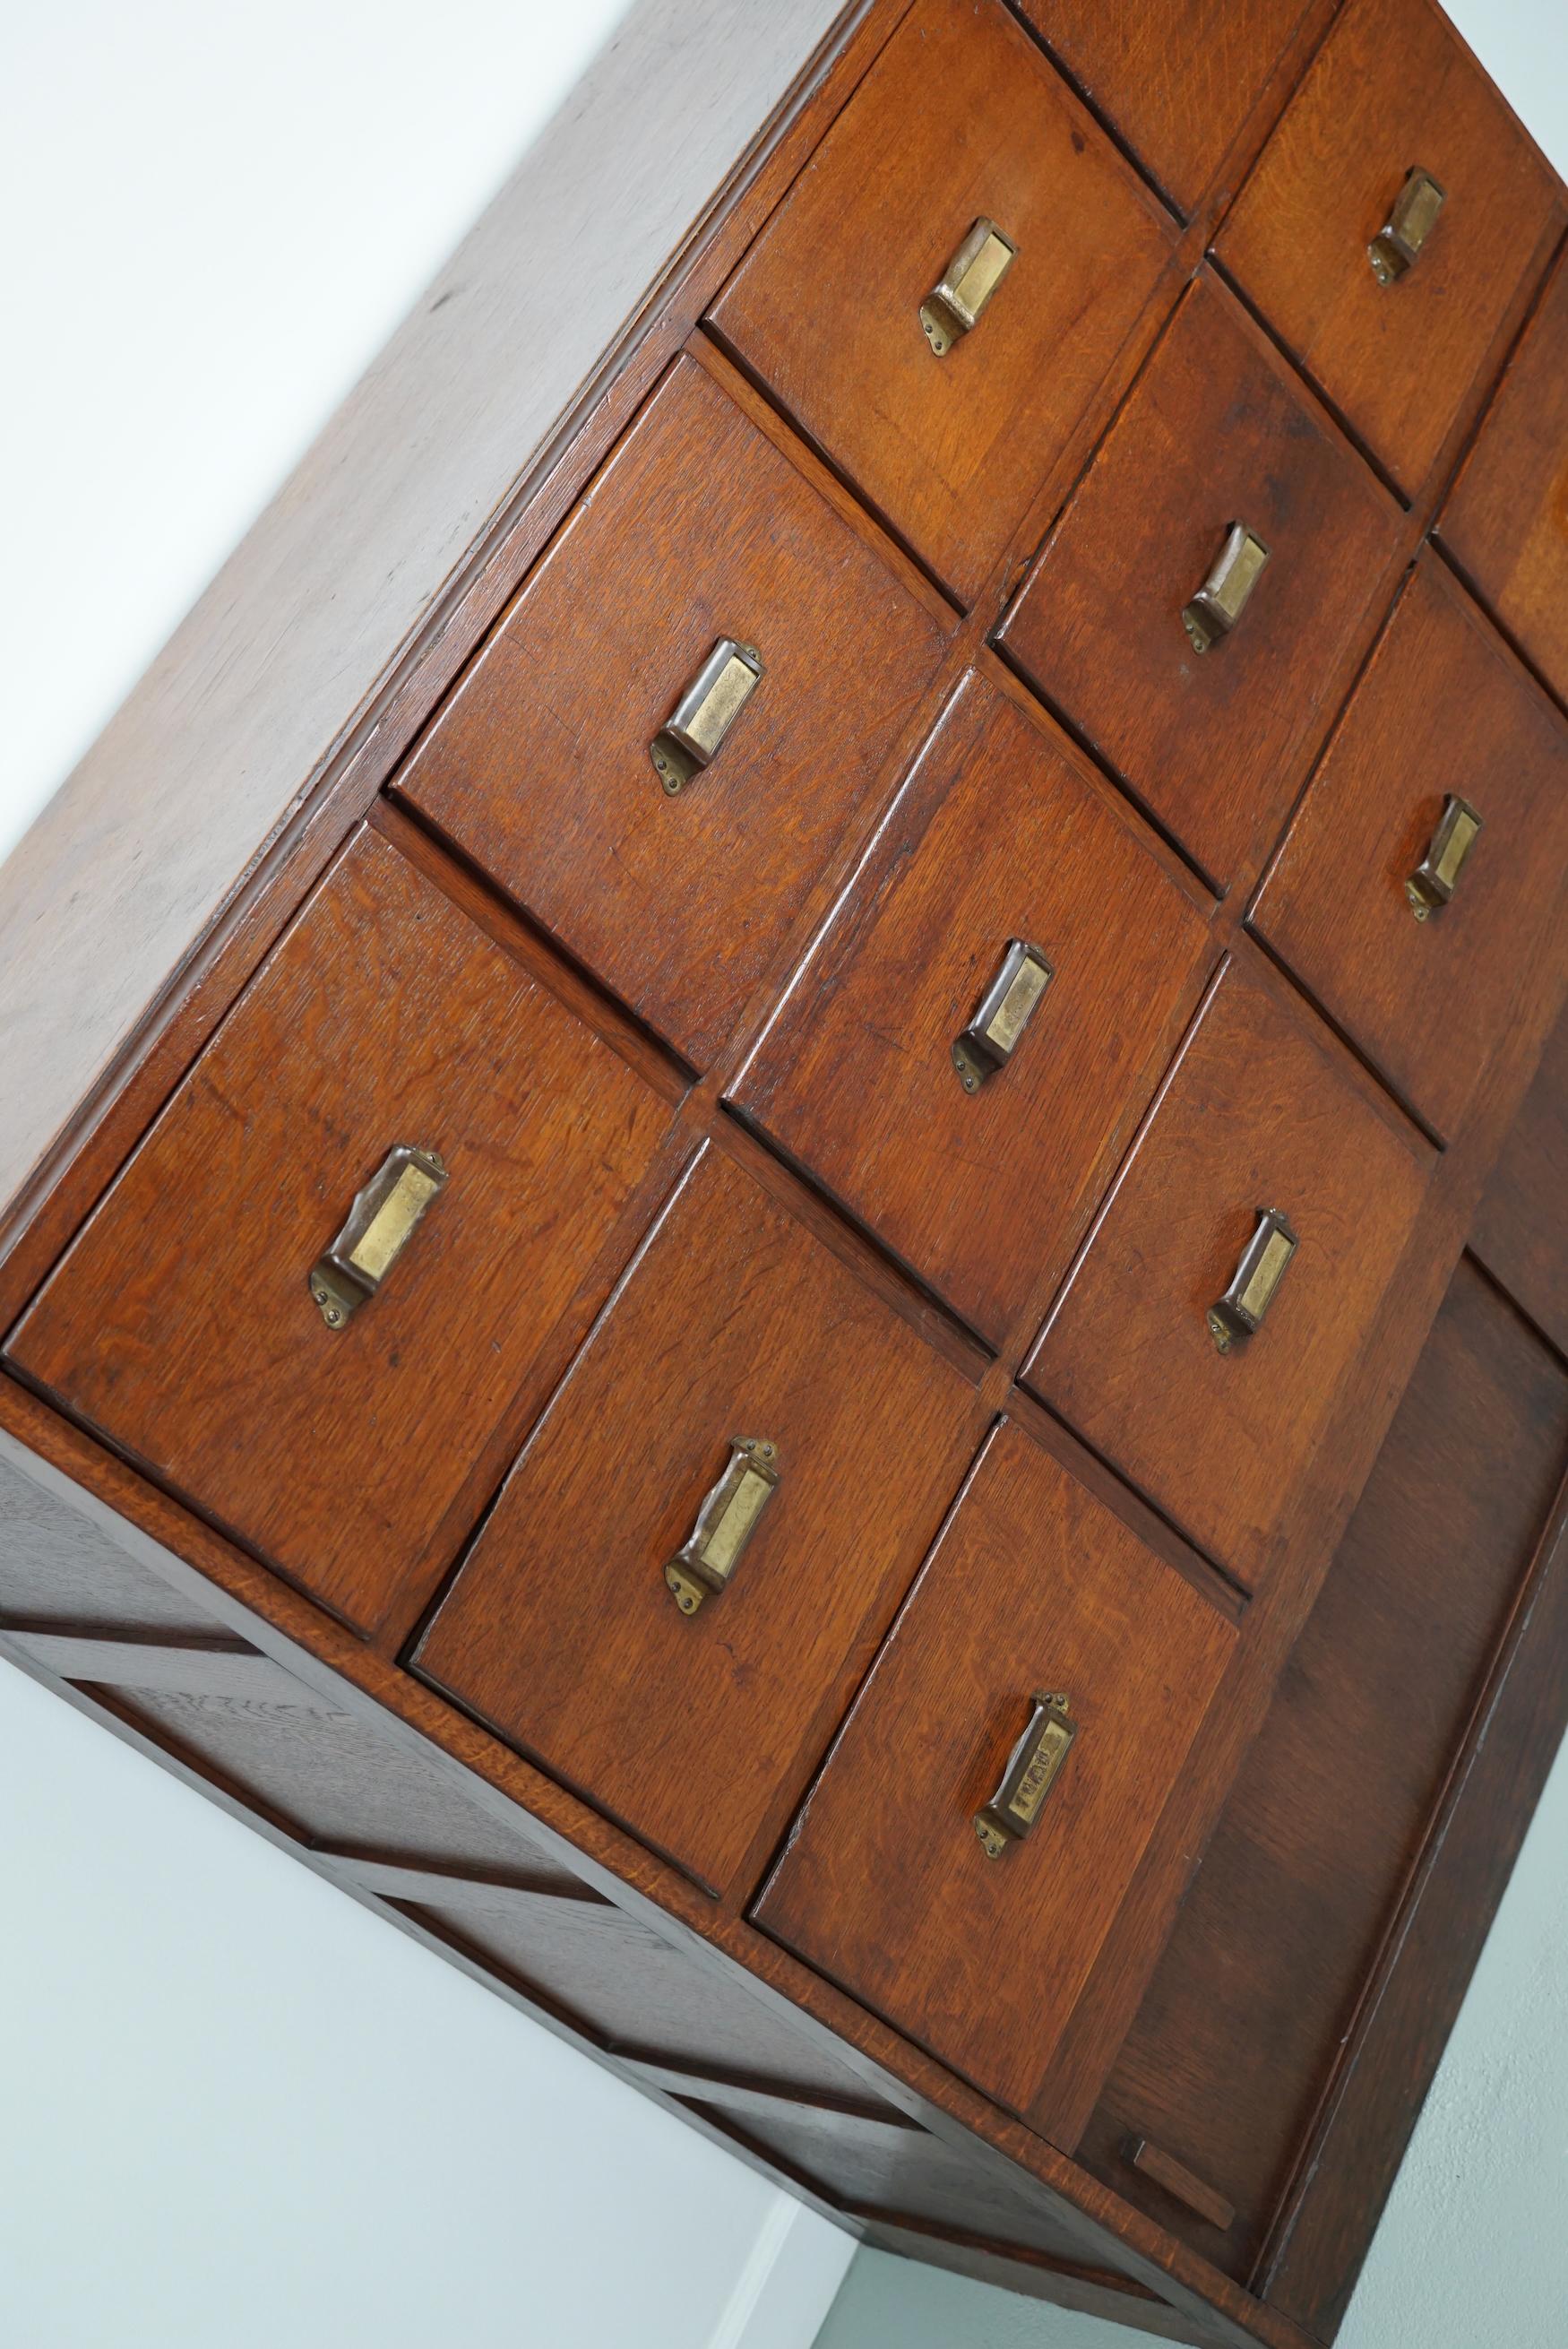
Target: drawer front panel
{"points": [[541, 768], [1392, 91], [1261, 1977], [1177, 78], [886, 1884], [1219, 1426], [1506, 521], [563, 1631], [1216, 743], [999, 839], [1441, 716], [182, 1325], [961, 119]]}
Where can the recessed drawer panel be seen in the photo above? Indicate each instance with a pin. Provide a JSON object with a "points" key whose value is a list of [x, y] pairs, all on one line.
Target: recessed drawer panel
{"points": [[942, 292], [1388, 226], [1427, 859], [325, 1278], [1204, 1339], [987, 1020], [693, 1560], [673, 724], [1178, 78], [1049, 1668], [1203, 673], [1506, 521]]}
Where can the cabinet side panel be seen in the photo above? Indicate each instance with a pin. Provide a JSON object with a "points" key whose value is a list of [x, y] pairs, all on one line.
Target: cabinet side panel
{"points": [[1328, 1818]]}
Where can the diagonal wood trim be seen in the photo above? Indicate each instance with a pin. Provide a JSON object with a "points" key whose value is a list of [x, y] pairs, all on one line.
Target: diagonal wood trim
{"points": [[226, 1668]]}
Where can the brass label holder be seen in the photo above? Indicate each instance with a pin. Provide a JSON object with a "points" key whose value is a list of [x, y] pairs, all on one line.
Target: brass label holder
{"points": [[1399, 243], [1003, 1013], [1436, 877], [1033, 1768], [954, 304], [730, 1513], [380, 1224], [1224, 595], [697, 728], [1264, 1262]]}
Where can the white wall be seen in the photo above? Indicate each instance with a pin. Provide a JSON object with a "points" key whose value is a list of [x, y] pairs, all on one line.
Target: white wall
{"points": [[1472, 2252], [236, 2110]]}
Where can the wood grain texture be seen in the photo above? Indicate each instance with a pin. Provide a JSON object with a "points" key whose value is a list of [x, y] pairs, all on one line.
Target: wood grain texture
{"points": [[1392, 88], [997, 835], [1433, 1952], [1275, 1940], [60, 1568], [332, 1777], [181, 1323], [539, 767], [960, 117], [628, 1988], [1217, 431], [1506, 520], [701, 1730], [863, 2164], [260, 686], [1172, 2176], [1256, 1114], [1520, 1230], [1440, 710], [883, 1884], [1177, 79]]}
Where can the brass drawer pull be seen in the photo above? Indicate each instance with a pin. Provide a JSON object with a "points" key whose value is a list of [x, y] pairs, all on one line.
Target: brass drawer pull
{"points": [[1436, 877], [1033, 1768], [965, 285], [380, 1224], [1005, 1011], [1264, 1262], [1227, 591], [725, 1522], [695, 730], [1399, 244]]}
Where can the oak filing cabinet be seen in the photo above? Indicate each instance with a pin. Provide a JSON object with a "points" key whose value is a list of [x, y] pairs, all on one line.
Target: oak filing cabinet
{"points": [[825, 1314]]}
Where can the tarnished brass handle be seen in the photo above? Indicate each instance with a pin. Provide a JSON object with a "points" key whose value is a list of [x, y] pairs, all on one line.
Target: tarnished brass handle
{"points": [[1224, 595], [1033, 1768], [380, 1224], [1264, 1262], [965, 285], [695, 730], [1003, 1013], [1436, 877], [725, 1522], [1399, 244]]}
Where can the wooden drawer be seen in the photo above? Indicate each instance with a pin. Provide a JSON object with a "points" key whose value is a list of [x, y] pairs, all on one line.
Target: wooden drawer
{"points": [[1034, 1586], [1262, 1978], [1442, 714], [539, 768], [999, 839], [181, 1324], [697, 1731], [1506, 521], [1178, 78], [960, 119], [1259, 1114], [1217, 433], [1393, 90]]}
